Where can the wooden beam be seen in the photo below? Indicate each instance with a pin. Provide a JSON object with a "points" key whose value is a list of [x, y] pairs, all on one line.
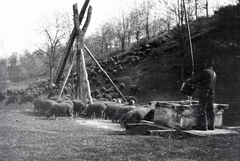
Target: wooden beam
{"points": [[65, 81], [69, 45], [88, 51], [83, 91]]}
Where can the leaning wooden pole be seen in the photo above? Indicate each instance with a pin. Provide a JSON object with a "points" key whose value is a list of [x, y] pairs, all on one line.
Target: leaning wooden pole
{"points": [[88, 51], [69, 45], [83, 91], [65, 81], [189, 35]]}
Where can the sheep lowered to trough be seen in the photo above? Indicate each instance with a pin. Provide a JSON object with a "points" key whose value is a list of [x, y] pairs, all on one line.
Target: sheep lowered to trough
{"points": [[47, 105], [11, 100], [111, 109], [26, 99], [39, 105], [78, 107], [120, 112], [134, 116], [59, 109], [96, 109]]}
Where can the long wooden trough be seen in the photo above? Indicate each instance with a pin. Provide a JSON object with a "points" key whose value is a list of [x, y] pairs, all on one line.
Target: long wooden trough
{"points": [[183, 114], [171, 116]]}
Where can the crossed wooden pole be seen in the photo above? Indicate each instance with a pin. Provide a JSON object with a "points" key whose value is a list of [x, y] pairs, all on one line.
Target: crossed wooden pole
{"points": [[83, 91]]}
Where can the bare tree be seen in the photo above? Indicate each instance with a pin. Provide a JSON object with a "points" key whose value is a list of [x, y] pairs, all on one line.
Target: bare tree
{"points": [[55, 32], [107, 34], [120, 28], [206, 7]]}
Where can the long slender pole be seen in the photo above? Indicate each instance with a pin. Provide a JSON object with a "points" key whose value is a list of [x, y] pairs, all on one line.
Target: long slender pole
{"points": [[65, 81], [88, 51], [189, 35]]}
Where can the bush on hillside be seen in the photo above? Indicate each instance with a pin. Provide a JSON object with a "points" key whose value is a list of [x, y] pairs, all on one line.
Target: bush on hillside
{"points": [[229, 21]]}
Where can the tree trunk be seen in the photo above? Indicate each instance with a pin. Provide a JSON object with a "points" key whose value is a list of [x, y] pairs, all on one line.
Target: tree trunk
{"points": [[123, 43], [51, 71], [137, 38], [196, 8], [206, 7], [147, 27]]}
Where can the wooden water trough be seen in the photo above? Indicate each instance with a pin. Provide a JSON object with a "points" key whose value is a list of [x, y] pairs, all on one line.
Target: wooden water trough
{"points": [[171, 116], [183, 114]]}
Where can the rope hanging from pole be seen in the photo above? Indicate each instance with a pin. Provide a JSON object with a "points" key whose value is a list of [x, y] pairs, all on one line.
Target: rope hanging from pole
{"points": [[189, 36]]}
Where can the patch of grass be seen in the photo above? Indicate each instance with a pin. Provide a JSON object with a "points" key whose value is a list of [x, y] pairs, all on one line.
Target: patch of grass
{"points": [[34, 137]]}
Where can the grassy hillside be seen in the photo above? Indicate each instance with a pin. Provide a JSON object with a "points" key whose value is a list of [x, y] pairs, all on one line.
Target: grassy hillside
{"points": [[216, 37]]}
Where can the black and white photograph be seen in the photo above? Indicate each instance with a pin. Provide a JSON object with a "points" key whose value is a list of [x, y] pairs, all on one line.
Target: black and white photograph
{"points": [[120, 80]]}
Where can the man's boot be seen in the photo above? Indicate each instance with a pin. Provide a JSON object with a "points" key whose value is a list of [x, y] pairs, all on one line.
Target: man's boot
{"points": [[211, 121], [202, 121]]}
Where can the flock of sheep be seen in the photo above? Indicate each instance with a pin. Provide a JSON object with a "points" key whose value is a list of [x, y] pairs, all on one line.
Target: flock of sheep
{"points": [[122, 113], [107, 103]]}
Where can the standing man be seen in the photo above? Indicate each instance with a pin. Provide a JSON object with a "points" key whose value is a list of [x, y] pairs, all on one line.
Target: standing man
{"points": [[206, 93]]}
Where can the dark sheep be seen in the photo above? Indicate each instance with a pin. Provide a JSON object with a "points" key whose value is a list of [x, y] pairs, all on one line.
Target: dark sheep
{"points": [[51, 94], [67, 97], [131, 102], [59, 109], [38, 104], [78, 107], [134, 89], [96, 108], [110, 90], [114, 95], [96, 92], [22, 92], [121, 112], [69, 101], [120, 69], [35, 94], [10, 92], [134, 60], [99, 96], [108, 96], [129, 98], [65, 90], [26, 99], [103, 89], [98, 83], [111, 109], [134, 116], [11, 100], [103, 99], [40, 93], [116, 81], [48, 104], [94, 79], [121, 86]]}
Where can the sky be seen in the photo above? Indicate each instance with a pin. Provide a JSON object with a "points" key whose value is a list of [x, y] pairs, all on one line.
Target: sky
{"points": [[19, 28], [19, 20]]}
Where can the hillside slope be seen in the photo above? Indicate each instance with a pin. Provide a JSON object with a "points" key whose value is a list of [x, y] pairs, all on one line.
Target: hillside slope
{"points": [[160, 78]]}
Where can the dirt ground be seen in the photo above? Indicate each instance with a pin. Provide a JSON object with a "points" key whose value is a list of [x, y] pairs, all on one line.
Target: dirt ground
{"points": [[104, 124], [25, 135]]}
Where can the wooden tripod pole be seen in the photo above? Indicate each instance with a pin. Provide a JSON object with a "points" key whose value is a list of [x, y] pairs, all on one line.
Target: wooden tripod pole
{"points": [[88, 51], [83, 87], [65, 81], [189, 36]]}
